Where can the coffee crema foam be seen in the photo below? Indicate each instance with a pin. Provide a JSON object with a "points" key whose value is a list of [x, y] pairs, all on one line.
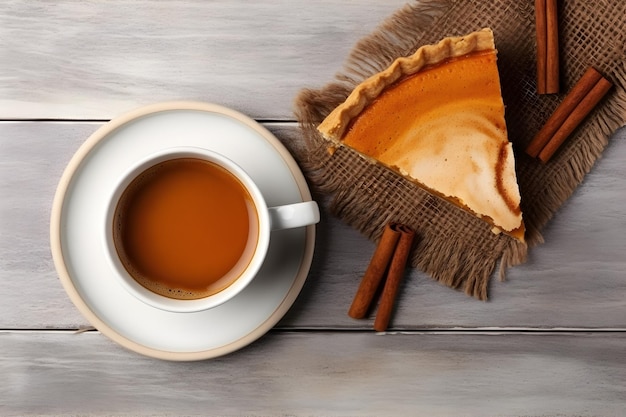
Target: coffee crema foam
{"points": [[185, 228]]}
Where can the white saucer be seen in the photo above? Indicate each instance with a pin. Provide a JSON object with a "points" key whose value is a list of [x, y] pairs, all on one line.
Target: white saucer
{"points": [[77, 244]]}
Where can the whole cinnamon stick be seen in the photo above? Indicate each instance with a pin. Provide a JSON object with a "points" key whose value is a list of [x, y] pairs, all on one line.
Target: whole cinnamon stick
{"points": [[541, 31], [375, 272], [552, 48], [569, 103], [394, 278], [575, 118]]}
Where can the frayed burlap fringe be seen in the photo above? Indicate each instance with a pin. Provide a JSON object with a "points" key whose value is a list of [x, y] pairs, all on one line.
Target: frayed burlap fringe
{"points": [[454, 247]]}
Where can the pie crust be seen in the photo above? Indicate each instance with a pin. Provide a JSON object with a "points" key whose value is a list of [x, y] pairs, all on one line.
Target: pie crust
{"points": [[437, 118]]}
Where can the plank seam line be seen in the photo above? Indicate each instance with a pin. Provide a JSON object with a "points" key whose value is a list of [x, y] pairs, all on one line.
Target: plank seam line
{"points": [[425, 332]]}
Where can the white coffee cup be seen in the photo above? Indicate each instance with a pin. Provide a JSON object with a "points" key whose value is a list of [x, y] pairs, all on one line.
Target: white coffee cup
{"points": [[269, 218]]}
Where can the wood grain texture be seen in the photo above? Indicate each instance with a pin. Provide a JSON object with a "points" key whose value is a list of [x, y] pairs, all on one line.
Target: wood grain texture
{"points": [[96, 59], [581, 263], [341, 374], [93, 60]]}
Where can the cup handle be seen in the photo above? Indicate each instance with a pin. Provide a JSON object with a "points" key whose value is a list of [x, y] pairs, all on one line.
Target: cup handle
{"points": [[294, 215]]}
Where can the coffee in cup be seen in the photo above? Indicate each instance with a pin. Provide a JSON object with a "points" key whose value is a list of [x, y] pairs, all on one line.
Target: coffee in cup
{"points": [[188, 229]]}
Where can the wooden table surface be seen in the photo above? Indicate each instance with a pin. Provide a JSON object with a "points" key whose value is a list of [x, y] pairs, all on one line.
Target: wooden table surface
{"points": [[550, 341]]}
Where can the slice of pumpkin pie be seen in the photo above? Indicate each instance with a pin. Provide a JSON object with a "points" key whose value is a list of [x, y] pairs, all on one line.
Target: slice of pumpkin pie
{"points": [[437, 118]]}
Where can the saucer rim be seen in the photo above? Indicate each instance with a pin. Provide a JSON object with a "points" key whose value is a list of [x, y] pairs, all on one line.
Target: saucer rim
{"points": [[59, 257]]}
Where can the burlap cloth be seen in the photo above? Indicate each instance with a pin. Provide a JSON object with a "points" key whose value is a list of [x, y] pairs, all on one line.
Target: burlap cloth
{"points": [[454, 247]]}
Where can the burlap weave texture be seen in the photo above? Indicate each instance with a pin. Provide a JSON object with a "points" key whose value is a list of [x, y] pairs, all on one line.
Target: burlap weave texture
{"points": [[453, 246]]}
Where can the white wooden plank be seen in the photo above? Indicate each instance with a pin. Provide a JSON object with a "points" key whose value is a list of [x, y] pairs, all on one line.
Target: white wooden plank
{"points": [[96, 59], [31, 163], [580, 265], [317, 373]]}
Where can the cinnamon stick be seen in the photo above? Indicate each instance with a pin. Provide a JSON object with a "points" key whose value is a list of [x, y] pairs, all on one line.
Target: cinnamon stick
{"points": [[552, 48], [589, 79], [579, 113], [542, 35], [394, 278], [375, 271], [547, 34]]}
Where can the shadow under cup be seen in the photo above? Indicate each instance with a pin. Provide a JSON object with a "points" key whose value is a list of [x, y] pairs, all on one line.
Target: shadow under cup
{"points": [[187, 230]]}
